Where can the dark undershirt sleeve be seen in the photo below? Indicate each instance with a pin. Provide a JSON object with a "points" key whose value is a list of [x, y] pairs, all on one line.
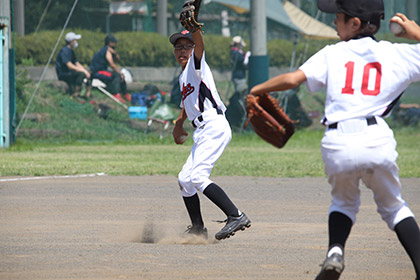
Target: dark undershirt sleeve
{"points": [[197, 63]]}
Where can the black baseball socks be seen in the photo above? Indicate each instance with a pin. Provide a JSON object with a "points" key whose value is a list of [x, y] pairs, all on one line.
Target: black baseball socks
{"points": [[220, 198], [339, 227], [193, 207], [409, 235]]}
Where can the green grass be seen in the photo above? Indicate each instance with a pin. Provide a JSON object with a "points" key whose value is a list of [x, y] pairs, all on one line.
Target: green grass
{"points": [[72, 138], [247, 155], [64, 119]]}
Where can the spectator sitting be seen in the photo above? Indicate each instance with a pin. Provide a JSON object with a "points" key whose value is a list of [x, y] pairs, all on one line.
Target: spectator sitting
{"points": [[69, 70], [239, 61], [114, 79]]}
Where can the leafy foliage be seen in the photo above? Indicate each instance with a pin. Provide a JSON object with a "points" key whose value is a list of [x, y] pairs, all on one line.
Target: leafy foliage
{"points": [[152, 49], [135, 49]]}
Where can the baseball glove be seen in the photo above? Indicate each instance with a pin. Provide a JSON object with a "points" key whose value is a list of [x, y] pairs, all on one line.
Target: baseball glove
{"points": [[189, 15], [268, 119]]}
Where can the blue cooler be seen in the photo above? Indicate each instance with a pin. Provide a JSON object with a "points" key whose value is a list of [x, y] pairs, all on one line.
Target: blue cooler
{"points": [[137, 112]]}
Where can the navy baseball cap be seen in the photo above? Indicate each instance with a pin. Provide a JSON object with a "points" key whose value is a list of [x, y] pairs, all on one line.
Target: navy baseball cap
{"points": [[366, 10], [183, 34], [110, 38]]}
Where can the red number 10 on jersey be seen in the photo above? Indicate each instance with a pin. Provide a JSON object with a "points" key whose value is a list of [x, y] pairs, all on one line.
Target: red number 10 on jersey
{"points": [[348, 88]]}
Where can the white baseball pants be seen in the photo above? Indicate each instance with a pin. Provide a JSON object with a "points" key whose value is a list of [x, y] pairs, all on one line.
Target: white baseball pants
{"points": [[211, 137], [356, 151]]}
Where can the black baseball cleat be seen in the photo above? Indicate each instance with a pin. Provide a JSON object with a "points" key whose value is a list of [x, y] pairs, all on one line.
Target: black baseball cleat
{"points": [[233, 224], [197, 230], [331, 268]]}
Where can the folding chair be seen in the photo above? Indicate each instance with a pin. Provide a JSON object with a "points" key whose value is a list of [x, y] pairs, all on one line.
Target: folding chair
{"points": [[96, 83]]}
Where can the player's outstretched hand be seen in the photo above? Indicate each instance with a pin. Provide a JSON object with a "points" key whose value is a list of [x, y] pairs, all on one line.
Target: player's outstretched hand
{"points": [[411, 28], [189, 15], [179, 134]]}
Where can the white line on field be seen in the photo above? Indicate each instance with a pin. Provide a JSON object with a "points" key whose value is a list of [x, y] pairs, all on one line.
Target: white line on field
{"points": [[52, 177]]}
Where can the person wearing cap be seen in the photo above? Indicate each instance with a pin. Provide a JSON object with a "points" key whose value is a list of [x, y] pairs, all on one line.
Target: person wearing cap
{"points": [[239, 61], [364, 79], [69, 69], [113, 78], [203, 107]]}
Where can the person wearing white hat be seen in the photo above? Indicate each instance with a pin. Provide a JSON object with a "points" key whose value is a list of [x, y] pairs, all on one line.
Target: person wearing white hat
{"points": [[69, 69], [239, 61]]}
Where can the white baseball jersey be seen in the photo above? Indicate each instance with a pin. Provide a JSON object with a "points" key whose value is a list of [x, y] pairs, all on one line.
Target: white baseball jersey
{"points": [[363, 77], [198, 89], [213, 133]]}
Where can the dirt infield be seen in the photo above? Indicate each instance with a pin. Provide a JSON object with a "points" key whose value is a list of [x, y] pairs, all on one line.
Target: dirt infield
{"points": [[107, 227]]}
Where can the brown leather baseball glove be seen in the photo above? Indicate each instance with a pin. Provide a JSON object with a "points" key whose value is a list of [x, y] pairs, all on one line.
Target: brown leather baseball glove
{"points": [[268, 119], [189, 15]]}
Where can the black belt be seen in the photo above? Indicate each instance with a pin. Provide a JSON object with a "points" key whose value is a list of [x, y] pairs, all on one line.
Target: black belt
{"points": [[200, 117], [369, 120]]}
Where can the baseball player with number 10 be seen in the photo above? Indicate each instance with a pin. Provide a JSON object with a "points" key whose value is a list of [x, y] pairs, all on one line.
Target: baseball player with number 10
{"points": [[202, 105], [363, 78]]}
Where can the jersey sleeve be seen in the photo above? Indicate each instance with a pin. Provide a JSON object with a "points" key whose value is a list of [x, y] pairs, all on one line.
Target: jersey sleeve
{"points": [[193, 69], [410, 53], [316, 70]]}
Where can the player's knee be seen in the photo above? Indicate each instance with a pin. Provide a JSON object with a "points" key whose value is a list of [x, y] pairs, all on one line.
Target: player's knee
{"points": [[350, 212], [200, 182], [197, 183], [183, 180], [116, 77], [188, 192], [393, 217], [186, 189], [183, 175]]}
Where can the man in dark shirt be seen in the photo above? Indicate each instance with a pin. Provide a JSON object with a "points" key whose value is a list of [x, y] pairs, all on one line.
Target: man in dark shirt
{"points": [[69, 70], [114, 79], [239, 61]]}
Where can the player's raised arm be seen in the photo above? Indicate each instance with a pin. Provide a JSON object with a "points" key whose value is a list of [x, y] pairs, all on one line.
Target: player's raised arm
{"points": [[189, 19], [199, 44]]}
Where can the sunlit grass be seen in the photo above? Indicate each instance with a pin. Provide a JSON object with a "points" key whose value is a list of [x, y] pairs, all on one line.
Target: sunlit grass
{"points": [[246, 155]]}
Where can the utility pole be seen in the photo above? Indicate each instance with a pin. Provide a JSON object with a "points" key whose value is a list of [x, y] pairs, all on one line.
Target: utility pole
{"points": [[20, 17], [161, 17], [258, 62]]}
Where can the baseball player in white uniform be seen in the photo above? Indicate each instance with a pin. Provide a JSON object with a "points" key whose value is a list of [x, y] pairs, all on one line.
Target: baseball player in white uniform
{"points": [[202, 106], [363, 78]]}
